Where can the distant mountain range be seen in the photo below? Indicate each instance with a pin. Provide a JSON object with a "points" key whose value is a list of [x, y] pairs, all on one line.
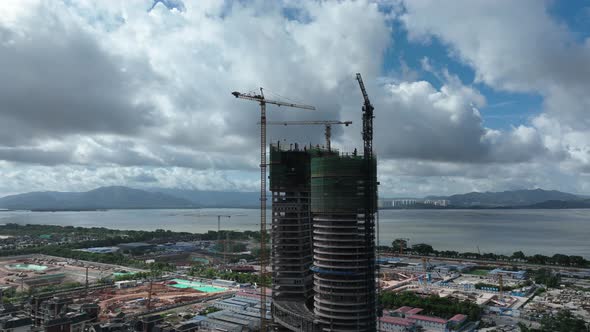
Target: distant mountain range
{"points": [[577, 204], [100, 198], [514, 198], [215, 199], [117, 197]]}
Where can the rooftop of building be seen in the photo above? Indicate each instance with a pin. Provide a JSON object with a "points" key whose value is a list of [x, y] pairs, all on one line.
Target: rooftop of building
{"points": [[198, 318], [411, 313], [403, 309], [496, 271], [414, 311], [222, 323], [458, 318], [396, 321], [187, 326], [437, 320], [11, 322], [135, 245], [254, 295]]}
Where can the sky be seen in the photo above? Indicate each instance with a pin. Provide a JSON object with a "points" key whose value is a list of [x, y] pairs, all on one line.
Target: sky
{"points": [[469, 95]]}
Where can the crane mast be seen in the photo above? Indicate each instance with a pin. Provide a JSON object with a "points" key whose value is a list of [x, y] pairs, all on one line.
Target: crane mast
{"points": [[328, 126], [263, 259], [370, 196], [367, 119], [219, 236]]}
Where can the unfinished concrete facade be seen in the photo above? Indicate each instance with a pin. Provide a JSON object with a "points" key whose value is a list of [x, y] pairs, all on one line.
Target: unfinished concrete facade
{"points": [[344, 242], [291, 237], [323, 240]]}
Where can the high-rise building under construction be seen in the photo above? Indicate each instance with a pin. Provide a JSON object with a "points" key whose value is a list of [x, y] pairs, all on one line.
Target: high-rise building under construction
{"points": [[324, 205], [290, 176], [323, 240], [342, 204]]}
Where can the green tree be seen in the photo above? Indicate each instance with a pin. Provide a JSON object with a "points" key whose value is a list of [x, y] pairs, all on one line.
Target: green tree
{"points": [[538, 259], [518, 255], [560, 259], [398, 244], [547, 278], [564, 321], [578, 261], [422, 249]]}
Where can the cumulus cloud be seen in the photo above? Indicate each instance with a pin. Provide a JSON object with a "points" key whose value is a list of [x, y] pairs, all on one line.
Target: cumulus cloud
{"points": [[57, 80], [100, 84], [518, 47], [138, 92], [419, 121]]}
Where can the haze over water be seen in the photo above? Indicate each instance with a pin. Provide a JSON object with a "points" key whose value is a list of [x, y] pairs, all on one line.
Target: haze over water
{"points": [[500, 231]]}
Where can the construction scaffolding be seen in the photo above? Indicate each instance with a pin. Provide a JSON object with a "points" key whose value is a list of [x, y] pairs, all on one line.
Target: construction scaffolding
{"points": [[290, 178], [344, 242], [324, 206], [291, 223]]}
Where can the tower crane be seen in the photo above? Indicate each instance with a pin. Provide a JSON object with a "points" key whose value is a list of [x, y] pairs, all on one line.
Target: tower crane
{"points": [[501, 286], [367, 119], [405, 243], [328, 124], [219, 235], [219, 216], [370, 190], [426, 268], [262, 101]]}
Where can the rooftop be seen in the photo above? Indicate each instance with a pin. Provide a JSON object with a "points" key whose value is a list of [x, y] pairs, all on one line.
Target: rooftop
{"points": [[429, 319], [135, 244], [458, 318], [403, 309], [414, 311], [496, 271], [396, 321]]}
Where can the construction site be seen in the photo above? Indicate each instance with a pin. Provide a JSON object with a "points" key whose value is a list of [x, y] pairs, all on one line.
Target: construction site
{"points": [[496, 288], [133, 300], [30, 271]]}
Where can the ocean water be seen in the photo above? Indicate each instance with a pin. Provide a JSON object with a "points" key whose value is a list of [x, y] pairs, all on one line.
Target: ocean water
{"points": [[501, 231]]}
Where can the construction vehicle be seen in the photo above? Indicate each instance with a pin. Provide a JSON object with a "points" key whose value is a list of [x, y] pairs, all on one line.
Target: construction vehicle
{"points": [[328, 124], [262, 101]]}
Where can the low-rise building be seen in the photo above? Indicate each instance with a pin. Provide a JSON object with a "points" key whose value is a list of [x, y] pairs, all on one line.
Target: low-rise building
{"points": [[456, 321], [410, 319], [224, 283], [136, 247], [430, 323], [518, 275], [19, 323], [396, 324]]}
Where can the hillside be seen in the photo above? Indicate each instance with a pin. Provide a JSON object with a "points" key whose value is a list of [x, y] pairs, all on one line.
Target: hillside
{"points": [[513, 198], [215, 199], [555, 204], [115, 197]]}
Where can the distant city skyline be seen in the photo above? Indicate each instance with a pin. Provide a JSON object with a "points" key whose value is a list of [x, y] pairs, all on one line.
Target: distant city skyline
{"points": [[468, 95]]}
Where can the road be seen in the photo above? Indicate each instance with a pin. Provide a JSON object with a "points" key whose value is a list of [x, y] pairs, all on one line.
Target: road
{"points": [[485, 261]]}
